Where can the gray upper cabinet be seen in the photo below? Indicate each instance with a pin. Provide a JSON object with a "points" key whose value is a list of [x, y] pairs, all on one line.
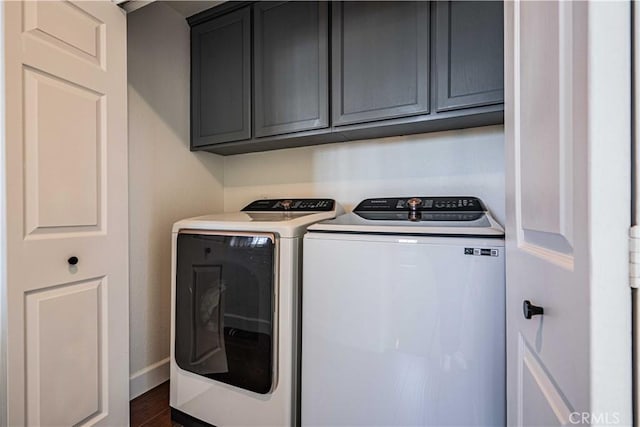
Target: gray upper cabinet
{"points": [[468, 54], [221, 79], [380, 60], [290, 67], [281, 74]]}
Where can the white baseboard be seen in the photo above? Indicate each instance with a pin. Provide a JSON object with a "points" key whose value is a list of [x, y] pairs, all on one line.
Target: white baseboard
{"points": [[147, 378]]}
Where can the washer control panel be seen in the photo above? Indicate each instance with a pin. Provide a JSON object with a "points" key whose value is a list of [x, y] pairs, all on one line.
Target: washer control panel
{"points": [[292, 205], [422, 204]]}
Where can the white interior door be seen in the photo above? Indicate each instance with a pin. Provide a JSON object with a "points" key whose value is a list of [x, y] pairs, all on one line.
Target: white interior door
{"points": [[66, 196], [567, 124]]}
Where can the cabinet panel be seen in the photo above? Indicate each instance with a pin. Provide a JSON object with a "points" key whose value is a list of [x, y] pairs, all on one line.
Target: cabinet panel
{"points": [[291, 67], [380, 60], [221, 79], [469, 54]]}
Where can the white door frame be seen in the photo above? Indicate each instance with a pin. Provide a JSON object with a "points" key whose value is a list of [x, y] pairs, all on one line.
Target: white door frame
{"points": [[635, 203]]}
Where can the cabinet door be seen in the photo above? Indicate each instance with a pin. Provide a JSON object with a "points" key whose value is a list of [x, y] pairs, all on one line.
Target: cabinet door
{"points": [[291, 61], [380, 56], [221, 79], [469, 54]]}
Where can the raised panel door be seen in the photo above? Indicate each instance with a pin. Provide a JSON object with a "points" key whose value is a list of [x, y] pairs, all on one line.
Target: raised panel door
{"points": [[221, 79], [380, 57], [66, 196], [291, 60], [469, 54]]}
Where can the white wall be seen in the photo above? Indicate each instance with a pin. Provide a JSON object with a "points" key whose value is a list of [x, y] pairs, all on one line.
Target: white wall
{"points": [[461, 162], [167, 181]]}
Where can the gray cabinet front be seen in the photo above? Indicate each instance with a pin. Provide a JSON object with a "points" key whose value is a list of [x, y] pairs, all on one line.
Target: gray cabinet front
{"points": [[290, 67], [468, 54], [380, 57], [221, 79], [281, 74]]}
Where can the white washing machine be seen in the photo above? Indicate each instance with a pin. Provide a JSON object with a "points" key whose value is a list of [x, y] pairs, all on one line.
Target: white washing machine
{"points": [[404, 316], [235, 314]]}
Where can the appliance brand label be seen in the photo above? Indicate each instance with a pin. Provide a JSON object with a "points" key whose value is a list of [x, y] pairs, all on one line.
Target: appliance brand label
{"points": [[481, 251]]}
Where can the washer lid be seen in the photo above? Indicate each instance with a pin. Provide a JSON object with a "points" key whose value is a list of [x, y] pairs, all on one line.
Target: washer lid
{"points": [[465, 216]]}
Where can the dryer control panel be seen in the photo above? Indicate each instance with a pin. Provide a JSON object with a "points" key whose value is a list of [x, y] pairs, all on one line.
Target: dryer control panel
{"points": [[422, 204], [293, 205]]}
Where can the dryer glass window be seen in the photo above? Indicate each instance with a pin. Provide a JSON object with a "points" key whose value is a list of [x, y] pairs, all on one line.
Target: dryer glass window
{"points": [[224, 308]]}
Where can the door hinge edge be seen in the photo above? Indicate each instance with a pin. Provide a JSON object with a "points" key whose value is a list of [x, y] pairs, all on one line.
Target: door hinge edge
{"points": [[634, 256]]}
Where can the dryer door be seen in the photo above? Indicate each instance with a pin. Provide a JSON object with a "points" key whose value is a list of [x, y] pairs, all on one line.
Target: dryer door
{"points": [[225, 307]]}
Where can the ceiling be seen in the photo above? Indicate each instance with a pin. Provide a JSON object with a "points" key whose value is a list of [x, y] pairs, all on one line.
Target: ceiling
{"points": [[185, 8], [189, 7]]}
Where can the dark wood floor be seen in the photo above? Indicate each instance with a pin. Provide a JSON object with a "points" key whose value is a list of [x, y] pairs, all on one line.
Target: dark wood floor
{"points": [[152, 408]]}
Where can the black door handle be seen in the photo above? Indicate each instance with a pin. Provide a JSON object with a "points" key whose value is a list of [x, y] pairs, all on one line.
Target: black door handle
{"points": [[73, 260], [531, 310]]}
